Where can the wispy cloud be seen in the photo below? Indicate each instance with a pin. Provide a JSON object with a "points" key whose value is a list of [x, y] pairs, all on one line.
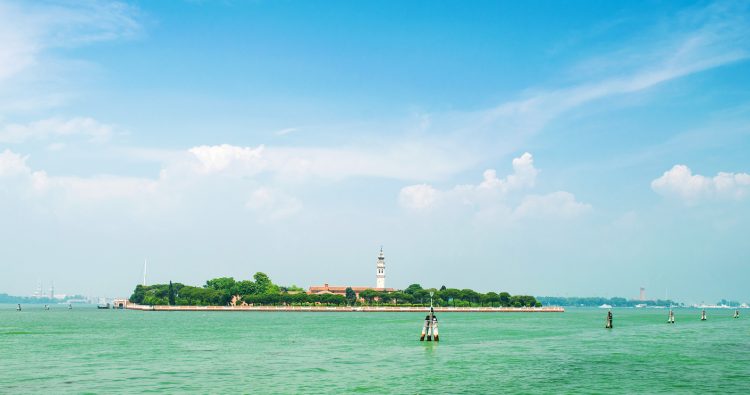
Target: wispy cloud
{"points": [[698, 40], [284, 132], [29, 28], [34, 74]]}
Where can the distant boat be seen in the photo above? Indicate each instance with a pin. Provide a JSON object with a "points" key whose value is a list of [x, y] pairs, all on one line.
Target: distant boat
{"points": [[640, 305], [605, 306], [102, 304]]}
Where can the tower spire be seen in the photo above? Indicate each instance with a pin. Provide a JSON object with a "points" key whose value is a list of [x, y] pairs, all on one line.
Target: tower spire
{"points": [[380, 270]]}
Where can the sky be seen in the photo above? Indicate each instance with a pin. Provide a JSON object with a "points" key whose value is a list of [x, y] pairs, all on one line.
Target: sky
{"points": [[572, 148]]}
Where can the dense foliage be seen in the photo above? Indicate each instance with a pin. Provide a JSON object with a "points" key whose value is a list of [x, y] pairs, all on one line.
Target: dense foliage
{"points": [[262, 291]]}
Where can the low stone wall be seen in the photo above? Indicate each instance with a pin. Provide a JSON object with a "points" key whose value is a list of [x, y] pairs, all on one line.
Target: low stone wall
{"points": [[364, 309]]}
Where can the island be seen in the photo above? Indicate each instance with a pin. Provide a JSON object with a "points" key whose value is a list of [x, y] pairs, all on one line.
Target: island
{"points": [[260, 293]]}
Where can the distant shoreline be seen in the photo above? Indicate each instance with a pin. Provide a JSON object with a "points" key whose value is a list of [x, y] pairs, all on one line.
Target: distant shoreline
{"points": [[348, 309]]}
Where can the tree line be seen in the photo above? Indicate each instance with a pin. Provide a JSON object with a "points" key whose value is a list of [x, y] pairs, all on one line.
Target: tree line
{"points": [[261, 290]]}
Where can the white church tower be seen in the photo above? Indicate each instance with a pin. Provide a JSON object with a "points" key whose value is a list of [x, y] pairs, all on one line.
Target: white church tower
{"points": [[380, 275]]}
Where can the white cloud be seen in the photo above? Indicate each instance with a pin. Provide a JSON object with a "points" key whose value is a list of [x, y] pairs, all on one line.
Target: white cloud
{"points": [[680, 182], [186, 169], [56, 127], [492, 197], [12, 164], [228, 158], [401, 161], [524, 176]]}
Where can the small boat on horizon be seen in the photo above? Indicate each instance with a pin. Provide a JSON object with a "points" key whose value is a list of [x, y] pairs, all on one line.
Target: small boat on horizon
{"points": [[103, 304], [605, 306]]}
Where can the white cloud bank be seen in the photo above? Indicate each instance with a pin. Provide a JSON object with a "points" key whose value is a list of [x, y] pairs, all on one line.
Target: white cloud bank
{"points": [[400, 161], [259, 173], [493, 195], [680, 183], [13, 167]]}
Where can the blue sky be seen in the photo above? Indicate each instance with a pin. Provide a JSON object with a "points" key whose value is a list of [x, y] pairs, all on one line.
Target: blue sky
{"points": [[548, 148]]}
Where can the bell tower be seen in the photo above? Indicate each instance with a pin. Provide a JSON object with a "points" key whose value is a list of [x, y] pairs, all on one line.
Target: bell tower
{"points": [[380, 273]]}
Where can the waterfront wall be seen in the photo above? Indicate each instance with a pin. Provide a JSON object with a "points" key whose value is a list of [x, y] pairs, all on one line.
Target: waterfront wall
{"points": [[364, 309]]}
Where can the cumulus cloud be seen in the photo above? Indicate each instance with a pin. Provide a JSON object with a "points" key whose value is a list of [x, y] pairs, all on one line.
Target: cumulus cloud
{"points": [[56, 127], [493, 196], [195, 174], [228, 158], [182, 169], [524, 176], [679, 182], [12, 164]]}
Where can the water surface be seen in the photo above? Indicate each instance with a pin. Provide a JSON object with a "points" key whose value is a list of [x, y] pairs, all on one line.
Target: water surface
{"points": [[115, 351]]}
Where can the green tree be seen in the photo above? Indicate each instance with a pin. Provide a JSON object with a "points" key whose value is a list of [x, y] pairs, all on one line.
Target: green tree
{"points": [[491, 298], [469, 295], [264, 285], [504, 299], [244, 287], [171, 294], [293, 288], [422, 296], [412, 289], [384, 297], [351, 296], [138, 294], [368, 295], [399, 297], [221, 283], [450, 295], [300, 298]]}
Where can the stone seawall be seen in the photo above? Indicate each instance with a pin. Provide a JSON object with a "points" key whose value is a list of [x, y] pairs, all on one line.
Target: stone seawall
{"points": [[362, 309]]}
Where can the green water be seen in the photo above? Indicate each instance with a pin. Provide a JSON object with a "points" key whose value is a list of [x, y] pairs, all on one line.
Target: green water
{"points": [[112, 351]]}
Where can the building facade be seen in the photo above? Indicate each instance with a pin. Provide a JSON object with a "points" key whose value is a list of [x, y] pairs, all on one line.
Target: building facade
{"points": [[341, 290]]}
